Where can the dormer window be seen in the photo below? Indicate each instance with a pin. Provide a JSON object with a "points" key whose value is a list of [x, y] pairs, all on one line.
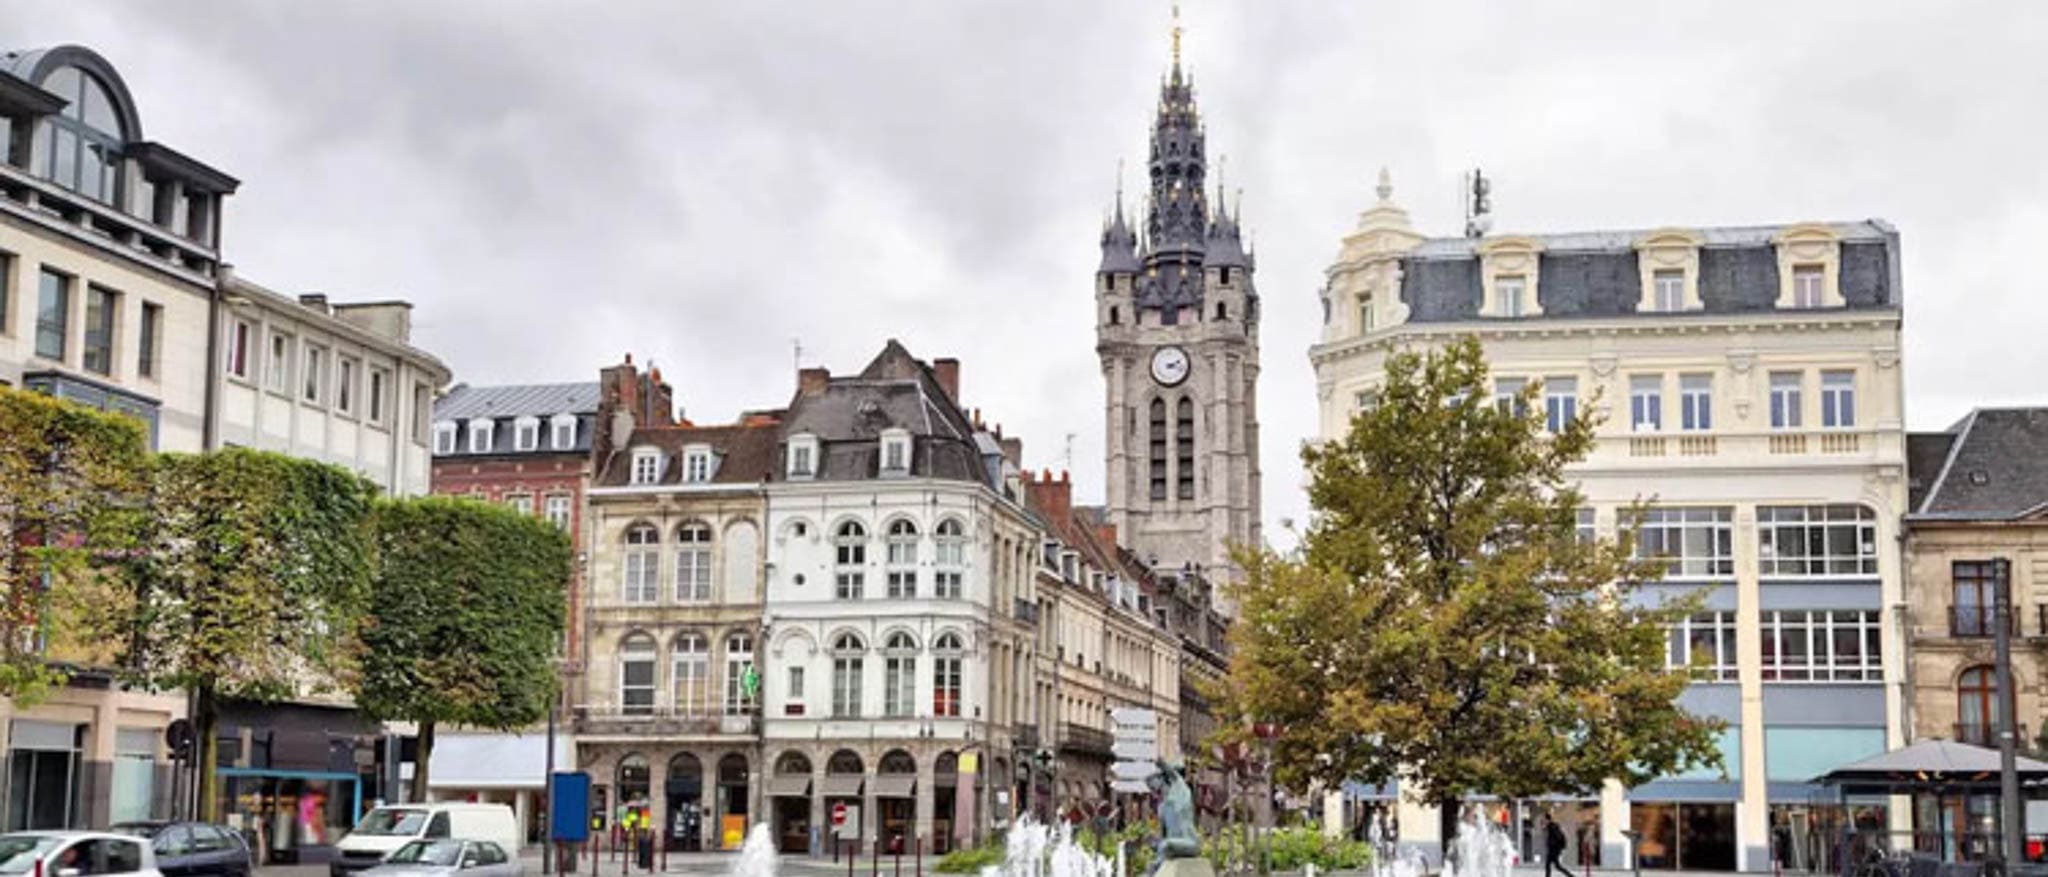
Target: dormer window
{"points": [[646, 466], [526, 433], [803, 456], [1508, 274], [1668, 291], [444, 437], [1806, 286], [1809, 267], [896, 452], [480, 435], [1670, 263], [1509, 293], [564, 428], [698, 464]]}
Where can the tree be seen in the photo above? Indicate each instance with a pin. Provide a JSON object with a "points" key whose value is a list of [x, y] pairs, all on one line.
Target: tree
{"points": [[71, 478], [467, 611], [253, 581], [1444, 622]]}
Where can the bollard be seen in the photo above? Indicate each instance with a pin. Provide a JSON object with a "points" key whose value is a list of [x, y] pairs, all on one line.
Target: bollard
{"points": [[875, 858], [918, 857], [664, 855], [898, 854], [849, 856]]}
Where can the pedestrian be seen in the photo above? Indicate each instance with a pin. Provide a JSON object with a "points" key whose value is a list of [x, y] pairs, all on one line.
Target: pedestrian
{"points": [[1553, 847]]}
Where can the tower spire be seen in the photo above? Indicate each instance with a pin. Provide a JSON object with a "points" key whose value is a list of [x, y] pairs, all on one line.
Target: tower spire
{"points": [[1176, 37]]}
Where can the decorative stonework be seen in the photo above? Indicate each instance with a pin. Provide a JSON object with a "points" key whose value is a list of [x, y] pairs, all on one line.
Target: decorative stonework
{"points": [[1669, 249], [1510, 257], [1810, 244]]}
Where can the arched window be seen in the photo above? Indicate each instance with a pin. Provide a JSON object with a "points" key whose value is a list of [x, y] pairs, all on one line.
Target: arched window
{"points": [[81, 145], [847, 667], [951, 544], [642, 566], [946, 675], [850, 558], [693, 563], [633, 779], [1157, 436], [1184, 444], [636, 675], [902, 559], [690, 673], [739, 667], [899, 675], [1977, 709]]}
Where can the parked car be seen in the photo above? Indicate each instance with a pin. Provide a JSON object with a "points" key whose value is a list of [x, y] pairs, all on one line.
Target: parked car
{"points": [[193, 849], [75, 854], [444, 858], [385, 829]]}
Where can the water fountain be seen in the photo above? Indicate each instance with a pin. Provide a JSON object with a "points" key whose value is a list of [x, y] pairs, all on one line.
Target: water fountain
{"points": [[757, 855], [1480, 849], [1036, 850]]}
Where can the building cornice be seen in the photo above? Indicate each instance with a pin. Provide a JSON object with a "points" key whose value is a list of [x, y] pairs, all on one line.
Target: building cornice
{"points": [[1646, 324]]}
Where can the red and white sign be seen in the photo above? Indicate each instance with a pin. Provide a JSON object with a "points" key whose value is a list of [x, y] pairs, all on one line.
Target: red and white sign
{"points": [[838, 814]]}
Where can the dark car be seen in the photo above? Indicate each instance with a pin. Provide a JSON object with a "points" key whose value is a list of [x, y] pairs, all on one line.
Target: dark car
{"points": [[193, 849]]}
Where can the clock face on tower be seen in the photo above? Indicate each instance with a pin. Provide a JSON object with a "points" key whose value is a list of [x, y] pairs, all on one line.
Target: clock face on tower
{"points": [[1169, 365]]}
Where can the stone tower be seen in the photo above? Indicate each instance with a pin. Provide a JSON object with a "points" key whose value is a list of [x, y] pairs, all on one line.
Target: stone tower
{"points": [[1177, 329]]}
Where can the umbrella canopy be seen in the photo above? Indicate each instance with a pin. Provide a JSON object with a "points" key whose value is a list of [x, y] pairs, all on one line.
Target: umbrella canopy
{"points": [[1930, 765]]}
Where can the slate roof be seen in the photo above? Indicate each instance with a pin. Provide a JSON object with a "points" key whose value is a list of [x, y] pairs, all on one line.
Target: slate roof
{"points": [[745, 452], [1995, 467], [1597, 273], [505, 404], [895, 391]]}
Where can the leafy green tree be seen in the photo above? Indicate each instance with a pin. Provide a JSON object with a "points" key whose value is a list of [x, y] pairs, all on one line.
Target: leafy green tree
{"points": [[467, 609], [253, 581], [71, 479], [1443, 622]]}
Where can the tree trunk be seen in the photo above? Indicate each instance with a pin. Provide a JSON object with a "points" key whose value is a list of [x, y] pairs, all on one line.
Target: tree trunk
{"points": [[205, 726], [421, 760]]}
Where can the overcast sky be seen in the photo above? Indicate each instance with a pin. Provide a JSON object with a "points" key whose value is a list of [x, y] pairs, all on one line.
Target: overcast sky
{"points": [[555, 184]]}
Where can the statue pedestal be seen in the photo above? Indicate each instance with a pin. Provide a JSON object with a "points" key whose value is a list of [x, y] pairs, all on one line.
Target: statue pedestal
{"points": [[1195, 867]]}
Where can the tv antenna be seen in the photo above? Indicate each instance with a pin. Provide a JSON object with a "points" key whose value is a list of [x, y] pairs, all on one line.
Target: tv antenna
{"points": [[1478, 204]]}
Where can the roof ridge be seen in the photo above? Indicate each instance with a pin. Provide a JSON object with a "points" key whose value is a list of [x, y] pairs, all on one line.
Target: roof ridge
{"points": [[1954, 450]]}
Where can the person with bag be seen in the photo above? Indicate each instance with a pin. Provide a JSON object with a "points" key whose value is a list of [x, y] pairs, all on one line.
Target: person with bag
{"points": [[1553, 846]]}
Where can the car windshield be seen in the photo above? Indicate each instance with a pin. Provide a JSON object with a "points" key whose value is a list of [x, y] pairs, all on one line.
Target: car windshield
{"points": [[19, 852], [392, 822], [138, 829], [427, 852]]}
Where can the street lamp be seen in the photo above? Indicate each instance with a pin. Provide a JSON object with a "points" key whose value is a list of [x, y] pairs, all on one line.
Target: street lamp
{"points": [[1266, 732]]}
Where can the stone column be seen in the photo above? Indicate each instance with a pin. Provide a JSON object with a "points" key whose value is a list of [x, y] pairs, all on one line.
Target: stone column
{"points": [[1752, 827], [1614, 819], [924, 792]]}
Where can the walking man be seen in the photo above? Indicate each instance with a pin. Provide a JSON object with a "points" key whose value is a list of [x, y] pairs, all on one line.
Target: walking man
{"points": [[1553, 846]]}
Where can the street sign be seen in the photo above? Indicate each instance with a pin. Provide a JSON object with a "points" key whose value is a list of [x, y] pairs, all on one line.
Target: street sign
{"points": [[1135, 750], [1135, 787], [1123, 717], [838, 814], [1135, 771]]}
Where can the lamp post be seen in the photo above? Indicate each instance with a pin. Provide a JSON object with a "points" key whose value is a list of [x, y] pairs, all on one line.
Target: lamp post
{"points": [[2014, 821], [1266, 732]]}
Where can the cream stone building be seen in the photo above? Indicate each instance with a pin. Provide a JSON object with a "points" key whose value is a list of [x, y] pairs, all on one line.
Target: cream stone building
{"points": [[1748, 381]]}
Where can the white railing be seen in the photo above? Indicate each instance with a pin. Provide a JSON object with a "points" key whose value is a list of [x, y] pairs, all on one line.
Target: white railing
{"points": [[1737, 447]]}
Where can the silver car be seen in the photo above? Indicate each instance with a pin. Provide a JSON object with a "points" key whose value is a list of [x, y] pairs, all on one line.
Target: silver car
{"points": [[447, 857]]}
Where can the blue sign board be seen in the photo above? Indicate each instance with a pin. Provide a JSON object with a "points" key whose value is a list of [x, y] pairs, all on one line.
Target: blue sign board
{"points": [[569, 812]]}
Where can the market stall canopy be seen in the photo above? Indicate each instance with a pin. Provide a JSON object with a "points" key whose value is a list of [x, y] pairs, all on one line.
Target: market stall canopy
{"points": [[1930, 765]]}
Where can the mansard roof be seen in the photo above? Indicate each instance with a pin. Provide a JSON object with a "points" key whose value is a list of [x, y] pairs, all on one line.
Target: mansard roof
{"points": [[1993, 467], [848, 416], [746, 451]]}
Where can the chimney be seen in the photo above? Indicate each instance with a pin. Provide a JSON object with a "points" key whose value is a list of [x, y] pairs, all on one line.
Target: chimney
{"points": [[812, 381], [659, 398], [1106, 534], [1013, 450], [947, 370], [618, 398], [315, 300], [1054, 498]]}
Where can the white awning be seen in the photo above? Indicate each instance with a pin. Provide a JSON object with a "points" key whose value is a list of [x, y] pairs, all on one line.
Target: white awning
{"points": [[496, 761]]}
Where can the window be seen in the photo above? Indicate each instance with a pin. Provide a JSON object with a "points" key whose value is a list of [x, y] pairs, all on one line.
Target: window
{"points": [[796, 683], [82, 143], [1367, 320], [739, 664], [238, 348], [53, 315], [480, 430], [1839, 646], [101, 306], [646, 465], [847, 667], [1507, 396], [901, 574], [1807, 281], [850, 550], [277, 373], [1705, 641], [899, 675], [1838, 399], [1509, 291], [444, 437], [1979, 717], [697, 465], [1115, 317], [556, 508], [803, 456], [149, 339], [690, 673], [1366, 400], [636, 675], [1693, 542], [946, 675], [1646, 403], [520, 502], [1695, 402], [1974, 587], [422, 406], [316, 373], [1157, 434], [345, 384], [1785, 399], [895, 452], [564, 432], [378, 378], [1184, 445], [1822, 540], [642, 564], [693, 563], [1669, 292], [6, 262], [952, 555], [526, 434], [1583, 526], [1560, 403]]}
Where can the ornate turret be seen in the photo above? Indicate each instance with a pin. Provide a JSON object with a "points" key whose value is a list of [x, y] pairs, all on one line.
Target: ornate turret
{"points": [[1177, 224], [1119, 243]]}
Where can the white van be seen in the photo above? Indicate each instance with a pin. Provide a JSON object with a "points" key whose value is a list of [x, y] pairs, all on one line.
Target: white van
{"points": [[387, 828]]}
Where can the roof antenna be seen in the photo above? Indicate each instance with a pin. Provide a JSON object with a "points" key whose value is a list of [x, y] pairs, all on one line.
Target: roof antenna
{"points": [[797, 352], [1070, 452], [1479, 204]]}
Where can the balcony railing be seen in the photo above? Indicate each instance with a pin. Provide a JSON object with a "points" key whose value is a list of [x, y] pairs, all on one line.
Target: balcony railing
{"points": [[1976, 621], [600, 718], [1987, 736], [1733, 447], [1024, 734], [1025, 611], [1083, 739]]}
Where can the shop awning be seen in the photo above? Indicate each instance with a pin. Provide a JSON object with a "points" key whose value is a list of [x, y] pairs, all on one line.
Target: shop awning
{"points": [[841, 785], [896, 785], [496, 761], [789, 786], [1931, 764]]}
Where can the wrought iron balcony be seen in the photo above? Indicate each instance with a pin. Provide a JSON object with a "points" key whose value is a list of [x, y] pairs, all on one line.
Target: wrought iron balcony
{"points": [[1083, 739], [607, 718], [1024, 735], [1976, 621], [1025, 611]]}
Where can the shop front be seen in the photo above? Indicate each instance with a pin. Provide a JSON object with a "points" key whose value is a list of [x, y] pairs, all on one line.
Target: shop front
{"points": [[789, 799], [290, 816], [90, 754], [509, 769]]}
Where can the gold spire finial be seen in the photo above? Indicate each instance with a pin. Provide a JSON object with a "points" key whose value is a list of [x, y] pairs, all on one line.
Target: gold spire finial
{"points": [[1176, 34]]}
